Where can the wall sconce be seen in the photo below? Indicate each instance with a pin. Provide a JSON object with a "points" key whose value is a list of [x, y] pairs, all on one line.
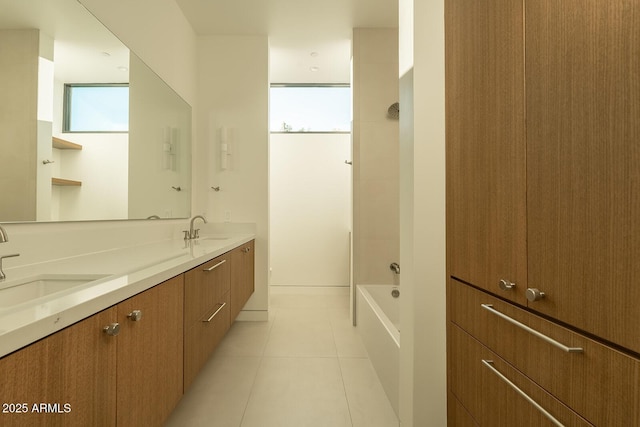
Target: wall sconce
{"points": [[225, 149]]}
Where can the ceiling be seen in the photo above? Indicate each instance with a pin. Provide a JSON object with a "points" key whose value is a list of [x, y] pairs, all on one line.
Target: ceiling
{"points": [[304, 35], [85, 51]]}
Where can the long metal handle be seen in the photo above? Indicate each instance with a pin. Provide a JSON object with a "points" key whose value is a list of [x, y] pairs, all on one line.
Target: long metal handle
{"points": [[489, 364], [215, 266], [215, 312], [489, 307]]}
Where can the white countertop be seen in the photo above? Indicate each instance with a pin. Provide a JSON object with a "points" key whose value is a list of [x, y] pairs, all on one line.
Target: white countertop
{"points": [[128, 271]]}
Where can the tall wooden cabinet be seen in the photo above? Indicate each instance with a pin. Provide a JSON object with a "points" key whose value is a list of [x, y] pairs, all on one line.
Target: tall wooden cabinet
{"points": [[543, 211]]}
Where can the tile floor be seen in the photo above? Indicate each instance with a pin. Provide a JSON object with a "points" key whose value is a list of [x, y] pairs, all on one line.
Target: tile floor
{"points": [[305, 367]]}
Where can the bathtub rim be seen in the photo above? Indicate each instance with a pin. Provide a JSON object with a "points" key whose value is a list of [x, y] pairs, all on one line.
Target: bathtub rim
{"points": [[391, 328]]}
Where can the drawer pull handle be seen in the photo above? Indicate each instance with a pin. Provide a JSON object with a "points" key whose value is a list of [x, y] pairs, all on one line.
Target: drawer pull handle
{"points": [[489, 364], [215, 312], [215, 266], [489, 307]]}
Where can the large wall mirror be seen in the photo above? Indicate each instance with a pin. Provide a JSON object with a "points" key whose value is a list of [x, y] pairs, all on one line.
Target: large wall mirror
{"points": [[50, 174]]}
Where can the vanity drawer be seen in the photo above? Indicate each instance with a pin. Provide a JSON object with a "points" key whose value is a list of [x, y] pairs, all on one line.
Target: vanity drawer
{"points": [[486, 385], [203, 336], [204, 286], [600, 383]]}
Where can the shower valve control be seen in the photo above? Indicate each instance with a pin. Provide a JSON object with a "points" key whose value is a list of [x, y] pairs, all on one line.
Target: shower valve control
{"points": [[506, 285]]}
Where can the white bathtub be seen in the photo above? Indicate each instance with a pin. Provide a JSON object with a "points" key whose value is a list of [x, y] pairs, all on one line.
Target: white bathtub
{"points": [[378, 322]]}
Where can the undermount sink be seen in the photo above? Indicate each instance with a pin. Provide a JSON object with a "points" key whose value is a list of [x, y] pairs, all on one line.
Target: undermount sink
{"points": [[214, 238], [30, 288]]}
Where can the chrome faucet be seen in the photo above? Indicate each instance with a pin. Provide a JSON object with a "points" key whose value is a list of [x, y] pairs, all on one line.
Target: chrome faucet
{"points": [[193, 234], [4, 237]]}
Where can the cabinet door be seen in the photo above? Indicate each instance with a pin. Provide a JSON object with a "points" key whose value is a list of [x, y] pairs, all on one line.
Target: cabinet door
{"points": [[242, 276], [486, 200], [150, 354], [72, 373], [583, 151]]}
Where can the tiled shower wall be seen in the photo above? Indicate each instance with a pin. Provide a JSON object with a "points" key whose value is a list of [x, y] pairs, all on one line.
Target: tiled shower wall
{"points": [[376, 242]]}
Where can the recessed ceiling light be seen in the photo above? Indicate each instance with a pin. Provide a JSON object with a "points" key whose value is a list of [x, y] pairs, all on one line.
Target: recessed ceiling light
{"points": [[314, 69], [314, 54], [122, 68], [105, 54]]}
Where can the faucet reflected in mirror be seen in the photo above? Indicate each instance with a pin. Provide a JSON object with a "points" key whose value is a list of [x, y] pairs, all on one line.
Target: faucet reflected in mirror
{"points": [[4, 237]]}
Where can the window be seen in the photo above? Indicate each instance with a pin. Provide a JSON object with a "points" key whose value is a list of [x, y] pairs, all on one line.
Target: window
{"points": [[310, 108], [96, 107]]}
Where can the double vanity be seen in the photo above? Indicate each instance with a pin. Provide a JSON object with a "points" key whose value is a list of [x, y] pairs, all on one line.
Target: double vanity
{"points": [[117, 337]]}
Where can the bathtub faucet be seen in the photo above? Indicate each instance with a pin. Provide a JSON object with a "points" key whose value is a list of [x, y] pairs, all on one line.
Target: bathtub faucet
{"points": [[395, 267]]}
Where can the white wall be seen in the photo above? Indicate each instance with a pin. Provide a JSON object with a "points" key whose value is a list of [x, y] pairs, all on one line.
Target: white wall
{"points": [[309, 199], [423, 388], [233, 92], [18, 126]]}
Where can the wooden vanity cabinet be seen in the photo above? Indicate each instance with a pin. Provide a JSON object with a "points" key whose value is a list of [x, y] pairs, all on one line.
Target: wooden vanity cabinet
{"points": [[207, 312], [242, 276], [82, 376], [150, 354], [72, 373]]}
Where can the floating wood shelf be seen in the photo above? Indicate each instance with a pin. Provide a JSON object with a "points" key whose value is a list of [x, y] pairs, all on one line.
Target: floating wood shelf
{"points": [[65, 145], [65, 182]]}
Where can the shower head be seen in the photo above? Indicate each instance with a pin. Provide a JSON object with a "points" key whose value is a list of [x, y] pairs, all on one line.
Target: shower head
{"points": [[393, 112]]}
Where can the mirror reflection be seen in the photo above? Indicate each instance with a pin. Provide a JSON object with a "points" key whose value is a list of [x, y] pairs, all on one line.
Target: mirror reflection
{"points": [[51, 174]]}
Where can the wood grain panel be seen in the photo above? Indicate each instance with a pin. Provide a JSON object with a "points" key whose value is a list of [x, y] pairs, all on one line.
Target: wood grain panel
{"points": [[150, 355], [496, 404], [76, 366], [601, 384], [583, 128], [242, 276], [486, 170], [457, 415]]}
